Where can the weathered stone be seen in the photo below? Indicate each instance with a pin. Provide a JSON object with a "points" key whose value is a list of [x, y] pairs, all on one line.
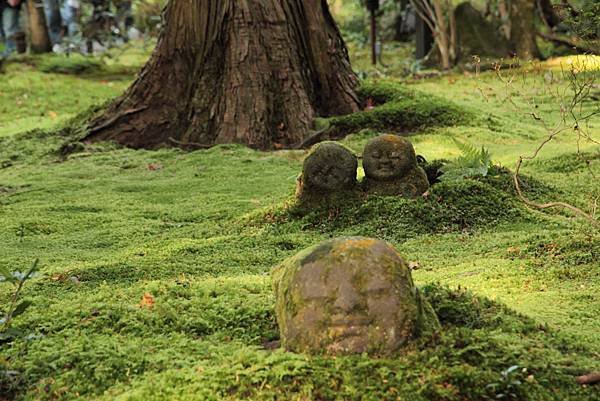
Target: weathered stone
{"points": [[391, 168], [349, 295], [329, 170]]}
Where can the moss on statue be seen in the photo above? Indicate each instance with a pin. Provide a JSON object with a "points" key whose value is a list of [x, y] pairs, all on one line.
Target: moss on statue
{"points": [[391, 168], [328, 173], [349, 295]]}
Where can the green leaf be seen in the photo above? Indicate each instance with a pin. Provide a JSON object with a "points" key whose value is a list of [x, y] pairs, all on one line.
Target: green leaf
{"points": [[22, 307], [471, 163]]}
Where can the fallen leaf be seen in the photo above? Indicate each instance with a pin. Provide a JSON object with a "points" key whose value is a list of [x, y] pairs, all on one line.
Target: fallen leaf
{"points": [[370, 104], [147, 301], [53, 115]]}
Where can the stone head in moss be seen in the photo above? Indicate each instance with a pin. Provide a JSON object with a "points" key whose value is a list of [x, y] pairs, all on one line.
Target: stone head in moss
{"points": [[330, 168], [390, 165], [349, 295]]}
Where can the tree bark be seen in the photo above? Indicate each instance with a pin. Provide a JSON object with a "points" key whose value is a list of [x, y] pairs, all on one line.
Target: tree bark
{"points": [[38, 30], [503, 10], [548, 13], [255, 72], [522, 29]]}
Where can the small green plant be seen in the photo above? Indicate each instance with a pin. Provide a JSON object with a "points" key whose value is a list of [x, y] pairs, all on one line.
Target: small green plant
{"points": [[507, 386], [471, 163], [16, 307]]}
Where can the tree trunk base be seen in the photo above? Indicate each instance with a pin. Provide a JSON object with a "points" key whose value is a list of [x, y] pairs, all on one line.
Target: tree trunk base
{"points": [[255, 72]]}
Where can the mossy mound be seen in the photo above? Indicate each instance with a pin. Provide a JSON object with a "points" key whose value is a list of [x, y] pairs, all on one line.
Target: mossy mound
{"points": [[478, 203], [35, 145], [503, 179], [448, 207], [398, 109], [75, 64], [483, 351], [570, 163]]}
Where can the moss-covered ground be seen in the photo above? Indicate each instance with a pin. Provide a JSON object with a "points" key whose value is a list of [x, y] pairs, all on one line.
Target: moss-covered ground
{"points": [[155, 265]]}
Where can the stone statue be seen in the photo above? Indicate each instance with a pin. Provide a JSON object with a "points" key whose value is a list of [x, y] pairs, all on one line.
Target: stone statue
{"points": [[390, 165], [329, 170], [349, 295]]}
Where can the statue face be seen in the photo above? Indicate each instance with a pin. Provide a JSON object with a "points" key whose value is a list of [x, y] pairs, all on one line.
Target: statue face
{"points": [[330, 167], [346, 307], [388, 157], [329, 176]]}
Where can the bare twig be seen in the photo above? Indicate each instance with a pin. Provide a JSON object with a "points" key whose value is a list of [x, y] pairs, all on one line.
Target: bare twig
{"points": [[580, 92], [590, 378]]}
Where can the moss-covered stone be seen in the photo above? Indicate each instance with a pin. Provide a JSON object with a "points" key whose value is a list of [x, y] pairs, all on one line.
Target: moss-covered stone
{"points": [[329, 171], [349, 295], [391, 168]]}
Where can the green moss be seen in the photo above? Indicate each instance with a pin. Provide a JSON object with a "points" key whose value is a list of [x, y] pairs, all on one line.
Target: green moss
{"points": [[73, 64], [570, 163], [461, 363], [399, 110], [46, 144], [448, 207], [182, 233]]}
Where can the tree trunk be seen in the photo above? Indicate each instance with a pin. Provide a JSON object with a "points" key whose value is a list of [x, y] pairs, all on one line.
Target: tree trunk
{"points": [[38, 30], [548, 13], [442, 37], [503, 10], [255, 72], [523, 31]]}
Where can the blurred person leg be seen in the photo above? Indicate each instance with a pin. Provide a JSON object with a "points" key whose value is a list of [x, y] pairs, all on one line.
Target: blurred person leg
{"points": [[10, 26], [53, 21], [71, 13]]}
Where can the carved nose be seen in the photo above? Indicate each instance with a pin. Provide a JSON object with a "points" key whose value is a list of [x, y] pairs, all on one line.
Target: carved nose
{"points": [[385, 162], [347, 298]]}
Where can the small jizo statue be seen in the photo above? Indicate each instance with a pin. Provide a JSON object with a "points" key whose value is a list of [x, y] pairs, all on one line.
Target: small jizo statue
{"points": [[349, 295], [329, 170], [390, 165]]}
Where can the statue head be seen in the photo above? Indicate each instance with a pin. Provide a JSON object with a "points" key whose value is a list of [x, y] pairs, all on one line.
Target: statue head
{"points": [[388, 157], [346, 295], [329, 167]]}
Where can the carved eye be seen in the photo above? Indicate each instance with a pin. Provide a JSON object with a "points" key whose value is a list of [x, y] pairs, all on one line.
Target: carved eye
{"points": [[394, 155], [376, 155]]}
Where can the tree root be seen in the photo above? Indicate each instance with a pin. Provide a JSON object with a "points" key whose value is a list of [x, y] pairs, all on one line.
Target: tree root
{"points": [[314, 138], [114, 119], [190, 144]]}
